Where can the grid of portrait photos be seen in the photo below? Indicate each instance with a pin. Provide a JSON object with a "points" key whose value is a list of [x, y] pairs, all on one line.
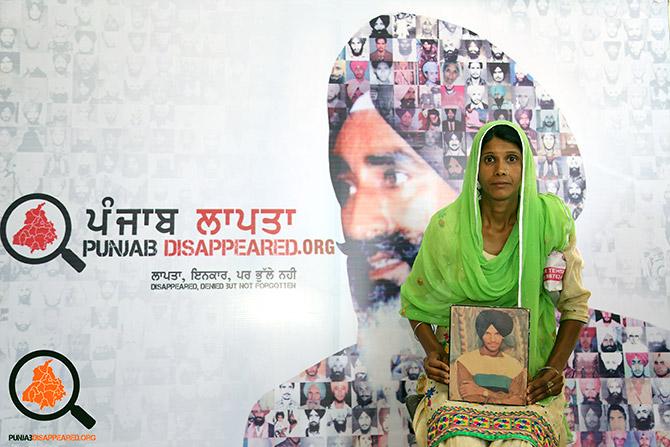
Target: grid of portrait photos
{"points": [[618, 383], [332, 403], [437, 84]]}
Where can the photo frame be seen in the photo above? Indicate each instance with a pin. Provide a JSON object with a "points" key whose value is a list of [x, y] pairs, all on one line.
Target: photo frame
{"points": [[488, 355]]}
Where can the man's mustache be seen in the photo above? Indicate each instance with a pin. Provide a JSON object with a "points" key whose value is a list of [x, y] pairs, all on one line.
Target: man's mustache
{"points": [[396, 244]]}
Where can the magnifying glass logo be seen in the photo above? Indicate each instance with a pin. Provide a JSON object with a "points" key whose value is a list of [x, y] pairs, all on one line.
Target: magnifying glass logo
{"points": [[48, 385], [36, 228]]}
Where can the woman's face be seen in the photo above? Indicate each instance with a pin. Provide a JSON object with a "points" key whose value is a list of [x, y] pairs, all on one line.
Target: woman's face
{"points": [[500, 169]]}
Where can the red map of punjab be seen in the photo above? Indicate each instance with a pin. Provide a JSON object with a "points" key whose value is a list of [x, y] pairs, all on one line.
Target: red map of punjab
{"points": [[46, 389], [37, 231]]}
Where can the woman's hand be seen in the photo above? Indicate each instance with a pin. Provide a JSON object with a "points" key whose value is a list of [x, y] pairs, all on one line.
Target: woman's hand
{"points": [[436, 365], [547, 383]]}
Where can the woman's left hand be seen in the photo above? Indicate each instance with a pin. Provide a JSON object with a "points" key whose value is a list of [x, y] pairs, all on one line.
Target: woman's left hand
{"points": [[545, 384]]}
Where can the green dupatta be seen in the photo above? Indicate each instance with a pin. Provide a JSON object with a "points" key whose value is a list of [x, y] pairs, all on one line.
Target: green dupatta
{"points": [[450, 267]]}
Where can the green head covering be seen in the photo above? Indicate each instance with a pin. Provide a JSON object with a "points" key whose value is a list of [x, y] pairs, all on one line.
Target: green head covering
{"points": [[451, 268]]}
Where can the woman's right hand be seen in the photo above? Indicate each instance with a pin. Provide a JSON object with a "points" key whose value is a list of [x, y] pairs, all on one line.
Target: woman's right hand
{"points": [[436, 365]]}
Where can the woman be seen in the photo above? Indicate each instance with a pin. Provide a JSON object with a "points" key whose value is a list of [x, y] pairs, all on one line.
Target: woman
{"points": [[471, 253]]}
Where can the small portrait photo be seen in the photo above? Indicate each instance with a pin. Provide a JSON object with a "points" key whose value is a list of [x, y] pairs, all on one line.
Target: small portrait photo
{"points": [[358, 70], [590, 438], [500, 97], [589, 391], [313, 394], [614, 391], [338, 368], [426, 27], [429, 97], [475, 73], [586, 365], [427, 51], [611, 364], [315, 423], [638, 391], [587, 341], [641, 417], [407, 119], [523, 98], [453, 144], [450, 48], [404, 50], [337, 72], [474, 49], [521, 78], [637, 365], [381, 26], [663, 417], [338, 421], [430, 120], [9, 63], [498, 73], [336, 96], [286, 396], [455, 167], [433, 142], [8, 113], [338, 395], [404, 73], [660, 390], [357, 49], [404, 25], [381, 49], [548, 121], [660, 365], [591, 417], [633, 339], [571, 417], [658, 339], [453, 120], [405, 96], [617, 418], [406, 366], [489, 362], [364, 421], [429, 73], [382, 73], [363, 395], [609, 338]]}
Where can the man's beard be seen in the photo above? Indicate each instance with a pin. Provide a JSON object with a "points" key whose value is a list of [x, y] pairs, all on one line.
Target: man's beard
{"points": [[614, 398], [382, 332], [370, 295], [259, 421], [499, 101], [546, 104], [575, 198], [337, 375], [450, 55], [363, 401], [576, 172], [644, 423], [313, 427], [340, 426]]}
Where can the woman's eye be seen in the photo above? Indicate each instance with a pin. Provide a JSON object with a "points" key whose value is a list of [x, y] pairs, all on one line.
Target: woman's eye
{"points": [[513, 158], [488, 159]]}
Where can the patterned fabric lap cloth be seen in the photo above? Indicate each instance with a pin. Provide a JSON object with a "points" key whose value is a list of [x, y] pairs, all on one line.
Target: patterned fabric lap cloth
{"points": [[438, 420]]}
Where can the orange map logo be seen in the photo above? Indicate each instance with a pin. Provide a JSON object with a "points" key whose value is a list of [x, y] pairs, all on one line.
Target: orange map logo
{"points": [[46, 389], [37, 231]]}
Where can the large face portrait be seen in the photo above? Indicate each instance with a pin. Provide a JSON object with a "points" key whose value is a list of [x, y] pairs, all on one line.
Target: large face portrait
{"points": [[386, 186]]}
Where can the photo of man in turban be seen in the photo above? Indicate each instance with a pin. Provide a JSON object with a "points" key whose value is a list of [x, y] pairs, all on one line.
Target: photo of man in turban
{"points": [[487, 374]]}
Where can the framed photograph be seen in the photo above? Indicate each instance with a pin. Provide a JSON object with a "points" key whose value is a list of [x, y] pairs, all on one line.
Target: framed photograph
{"points": [[488, 355]]}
